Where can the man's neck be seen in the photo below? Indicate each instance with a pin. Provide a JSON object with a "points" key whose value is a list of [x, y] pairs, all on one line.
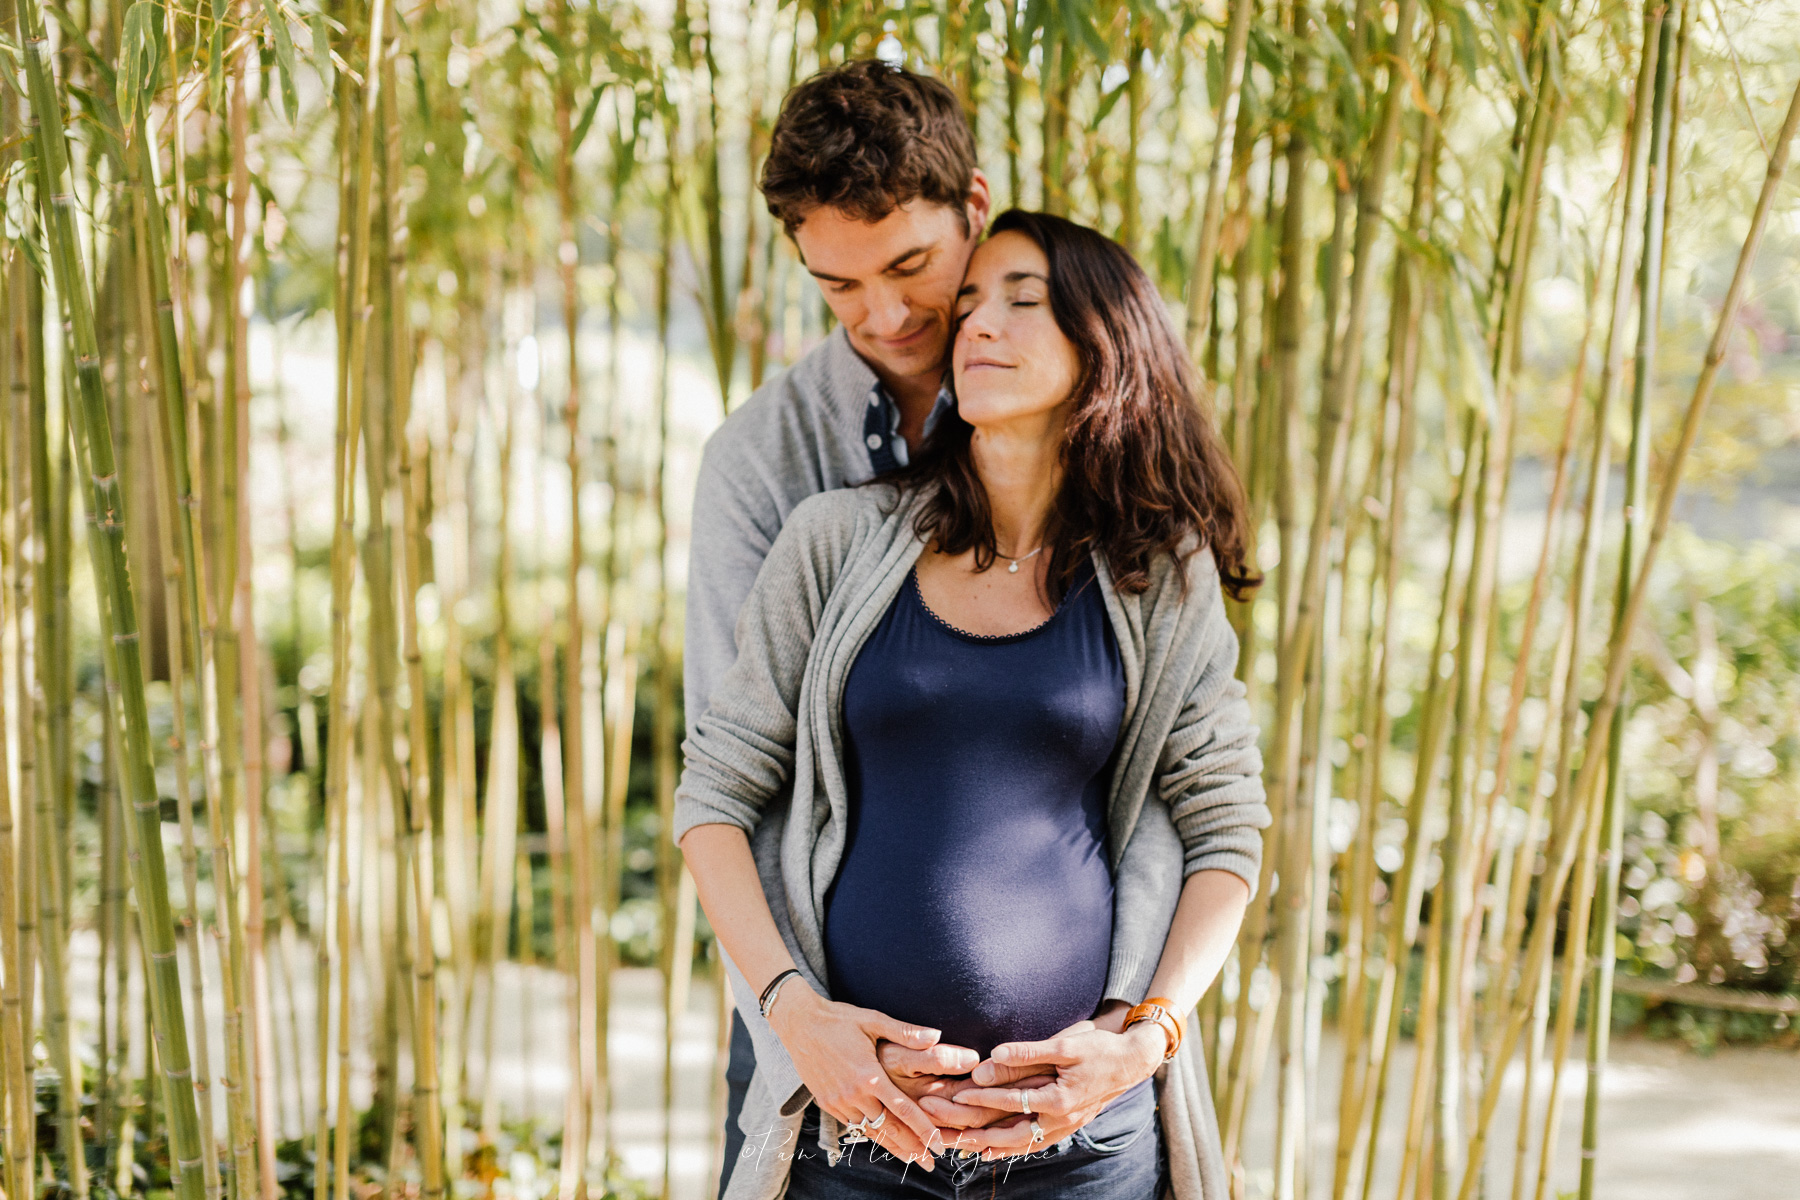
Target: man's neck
{"points": [[914, 396]]}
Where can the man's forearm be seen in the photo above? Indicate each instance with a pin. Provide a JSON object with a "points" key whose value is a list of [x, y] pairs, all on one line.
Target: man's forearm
{"points": [[1207, 918], [1206, 924]]}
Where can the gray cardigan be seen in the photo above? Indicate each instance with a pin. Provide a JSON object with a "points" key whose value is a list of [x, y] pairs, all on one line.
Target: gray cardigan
{"points": [[767, 757], [799, 435]]}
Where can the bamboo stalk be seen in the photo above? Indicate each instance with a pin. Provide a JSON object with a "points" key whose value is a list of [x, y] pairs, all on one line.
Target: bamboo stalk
{"points": [[427, 1124], [352, 393], [184, 649], [501, 813], [21, 334], [1637, 474], [1618, 649], [588, 1050], [670, 868], [1200, 289], [1573, 977], [49, 162]]}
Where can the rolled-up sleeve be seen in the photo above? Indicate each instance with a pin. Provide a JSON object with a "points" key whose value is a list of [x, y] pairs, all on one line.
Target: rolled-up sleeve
{"points": [[1210, 772]]}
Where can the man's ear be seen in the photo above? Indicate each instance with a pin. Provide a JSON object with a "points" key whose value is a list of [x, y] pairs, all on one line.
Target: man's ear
{"points": [[980, 204]]}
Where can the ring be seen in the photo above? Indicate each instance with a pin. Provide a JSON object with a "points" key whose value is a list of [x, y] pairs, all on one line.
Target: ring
{"points": [[1037, 1132], [857, 1132], [1024, 1102]]}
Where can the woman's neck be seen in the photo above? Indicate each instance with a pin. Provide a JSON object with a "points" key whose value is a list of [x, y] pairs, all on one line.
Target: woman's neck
{"points": [[1020, 467]]}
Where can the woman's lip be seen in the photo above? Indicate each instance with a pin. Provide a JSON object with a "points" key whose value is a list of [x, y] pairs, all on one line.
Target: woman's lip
{"points": [[983, 362]]}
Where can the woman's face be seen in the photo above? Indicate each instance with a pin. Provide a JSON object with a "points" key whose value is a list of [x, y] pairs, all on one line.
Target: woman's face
{"points": [[1011, 360]]}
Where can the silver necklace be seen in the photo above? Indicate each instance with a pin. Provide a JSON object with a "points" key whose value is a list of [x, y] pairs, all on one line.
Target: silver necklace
{"points": [[1014, 568]]}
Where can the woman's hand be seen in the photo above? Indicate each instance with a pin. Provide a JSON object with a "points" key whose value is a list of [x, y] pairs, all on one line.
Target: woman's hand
{"points": [[944, 1104], [1093, 1066], [833, 1048], [935, 1077]]}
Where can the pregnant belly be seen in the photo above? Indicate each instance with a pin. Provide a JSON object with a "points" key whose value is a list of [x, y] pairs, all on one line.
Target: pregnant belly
{"points": [[984, 958]]}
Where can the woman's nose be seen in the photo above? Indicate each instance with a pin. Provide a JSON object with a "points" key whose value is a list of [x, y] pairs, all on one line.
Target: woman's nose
{"points": [[978, 323]]}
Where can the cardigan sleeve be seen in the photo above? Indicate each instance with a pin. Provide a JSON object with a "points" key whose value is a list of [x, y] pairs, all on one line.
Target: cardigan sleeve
{"points": [[1210, 771], [739, 752]]}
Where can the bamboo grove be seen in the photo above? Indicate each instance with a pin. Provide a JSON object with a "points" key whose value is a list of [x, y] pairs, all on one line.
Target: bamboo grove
{"points": [[262, 774]]}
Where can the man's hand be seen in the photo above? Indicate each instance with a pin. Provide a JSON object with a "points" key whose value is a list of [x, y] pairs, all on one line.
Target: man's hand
{"points": [[1093, 1066], [934, 1077]]}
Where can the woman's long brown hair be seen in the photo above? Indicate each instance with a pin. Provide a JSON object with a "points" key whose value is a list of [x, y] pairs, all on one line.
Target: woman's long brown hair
{"points": [[1144, 471]]}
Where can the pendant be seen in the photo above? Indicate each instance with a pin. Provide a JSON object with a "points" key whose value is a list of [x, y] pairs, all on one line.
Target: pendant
{"points": [[1014, 568]]}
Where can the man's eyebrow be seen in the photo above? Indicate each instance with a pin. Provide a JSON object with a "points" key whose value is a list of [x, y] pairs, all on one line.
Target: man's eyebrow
{"points": [[896, 261]]}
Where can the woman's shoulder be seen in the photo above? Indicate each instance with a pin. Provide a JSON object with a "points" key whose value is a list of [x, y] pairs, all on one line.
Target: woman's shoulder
{"points": [[1188, 576]]}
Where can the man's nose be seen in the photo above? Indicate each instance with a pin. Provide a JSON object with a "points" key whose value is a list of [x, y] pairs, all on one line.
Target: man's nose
{"points": [[888, 311]]}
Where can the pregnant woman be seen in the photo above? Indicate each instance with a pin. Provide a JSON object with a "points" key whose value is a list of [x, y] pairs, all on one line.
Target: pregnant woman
{"points": [[1012, 789]]}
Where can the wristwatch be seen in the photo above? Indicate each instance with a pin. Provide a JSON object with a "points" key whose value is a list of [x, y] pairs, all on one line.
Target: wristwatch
{"points": [[1162, 1012]]}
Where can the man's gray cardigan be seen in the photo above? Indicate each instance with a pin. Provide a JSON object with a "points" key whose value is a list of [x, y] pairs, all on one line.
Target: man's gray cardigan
{"points": [[767, 756], [802, 433]]}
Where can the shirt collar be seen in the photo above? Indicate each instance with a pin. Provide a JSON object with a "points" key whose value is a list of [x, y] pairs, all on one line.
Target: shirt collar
{"points": [[854, 381], [881, 426]]}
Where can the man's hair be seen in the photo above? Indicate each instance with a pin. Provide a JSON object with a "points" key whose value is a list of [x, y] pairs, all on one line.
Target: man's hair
{"points": [[865, 138]]}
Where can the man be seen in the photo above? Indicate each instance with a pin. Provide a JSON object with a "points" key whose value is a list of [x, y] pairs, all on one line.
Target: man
{"points": [[871, 171]]}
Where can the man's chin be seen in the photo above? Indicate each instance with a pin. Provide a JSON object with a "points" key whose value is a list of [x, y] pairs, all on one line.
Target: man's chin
{"points": [[927, 355]]}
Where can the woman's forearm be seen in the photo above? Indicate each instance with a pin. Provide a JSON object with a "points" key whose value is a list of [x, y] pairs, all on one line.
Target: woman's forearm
{"points": [[731, 892], [1207, 917]]}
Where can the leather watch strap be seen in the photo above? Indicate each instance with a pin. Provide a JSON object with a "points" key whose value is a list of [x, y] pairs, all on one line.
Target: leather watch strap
{"points": [[1161, 1011]]}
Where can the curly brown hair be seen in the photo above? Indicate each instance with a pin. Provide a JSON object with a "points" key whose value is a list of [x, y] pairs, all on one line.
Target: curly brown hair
{"points": [[1144, 470], [865, 138]]}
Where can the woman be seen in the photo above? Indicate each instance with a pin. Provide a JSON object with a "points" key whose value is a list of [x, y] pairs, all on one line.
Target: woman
{"points": [[1002, 784]]}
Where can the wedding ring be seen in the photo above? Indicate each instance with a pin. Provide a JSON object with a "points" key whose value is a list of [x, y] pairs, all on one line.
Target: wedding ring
{"points": [[875, 1122], [1024, 1102], [1037, 1132]]}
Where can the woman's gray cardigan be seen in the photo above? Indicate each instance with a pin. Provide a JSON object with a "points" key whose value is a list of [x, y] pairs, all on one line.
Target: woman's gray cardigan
{"points": [[767, 757]]}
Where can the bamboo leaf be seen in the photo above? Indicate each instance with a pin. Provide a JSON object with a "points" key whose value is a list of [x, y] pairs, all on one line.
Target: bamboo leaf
{"points": [[215, 55], [140, 56], [321, 41], [284, 58], [580, 132], [1464, 41], [1215, 74]]}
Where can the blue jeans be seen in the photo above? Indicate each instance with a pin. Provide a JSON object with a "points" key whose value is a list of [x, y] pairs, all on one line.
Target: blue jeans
{"points": [[1116, 1156], [739, 1067]]}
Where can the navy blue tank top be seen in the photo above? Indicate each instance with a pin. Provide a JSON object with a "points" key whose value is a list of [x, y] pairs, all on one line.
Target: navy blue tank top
{"points": [[975, 894]]}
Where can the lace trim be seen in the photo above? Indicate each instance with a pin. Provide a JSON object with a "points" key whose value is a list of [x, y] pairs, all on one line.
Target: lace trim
{"points": [[919, 594]]}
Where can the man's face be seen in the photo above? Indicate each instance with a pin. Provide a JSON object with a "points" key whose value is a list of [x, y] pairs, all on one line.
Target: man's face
{"points": [[892, 283]]}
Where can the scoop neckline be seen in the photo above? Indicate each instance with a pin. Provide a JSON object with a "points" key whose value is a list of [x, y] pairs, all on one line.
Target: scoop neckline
{"points": [[986, 639]]}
